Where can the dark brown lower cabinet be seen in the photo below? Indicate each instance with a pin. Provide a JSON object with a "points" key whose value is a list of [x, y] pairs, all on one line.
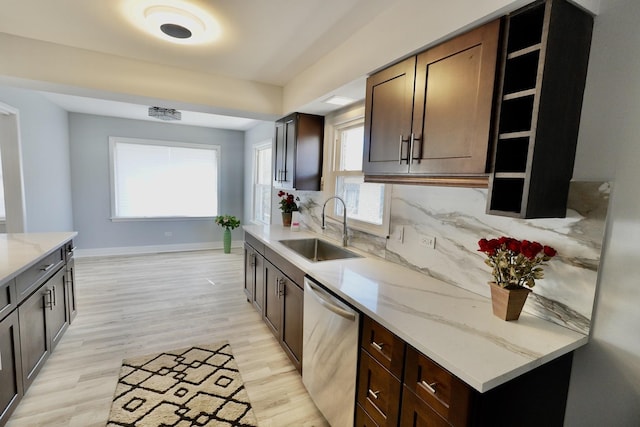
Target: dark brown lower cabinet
{"points": [[272, 308], [11, 389], [378, 391], [427, 395], [254, 276], [43, 319], [72, 305], [292, 306], [275, 287], [283, 303], [416, 413]]}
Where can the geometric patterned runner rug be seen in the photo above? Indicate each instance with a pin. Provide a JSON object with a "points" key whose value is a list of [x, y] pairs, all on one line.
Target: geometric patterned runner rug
{"points": [[195, 386]]}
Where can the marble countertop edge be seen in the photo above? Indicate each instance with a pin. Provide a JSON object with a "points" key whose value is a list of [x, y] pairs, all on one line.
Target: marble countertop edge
{"points": [[426, 313], [18, 251]]}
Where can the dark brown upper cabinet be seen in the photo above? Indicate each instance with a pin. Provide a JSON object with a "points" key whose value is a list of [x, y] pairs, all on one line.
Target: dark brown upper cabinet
{"points": [[544, 68], [429, 116], [298, 152]]}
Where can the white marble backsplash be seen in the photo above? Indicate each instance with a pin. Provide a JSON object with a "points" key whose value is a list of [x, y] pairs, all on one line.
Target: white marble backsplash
{"points": [[456, 218]]}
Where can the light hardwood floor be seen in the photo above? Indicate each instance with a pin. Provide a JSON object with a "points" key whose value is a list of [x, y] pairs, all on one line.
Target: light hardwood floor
{"points": [[138, 305]]}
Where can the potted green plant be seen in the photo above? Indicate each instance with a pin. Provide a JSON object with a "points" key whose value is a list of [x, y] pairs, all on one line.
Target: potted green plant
{"points": [[287, 206], [228, 222], [516, 264]]}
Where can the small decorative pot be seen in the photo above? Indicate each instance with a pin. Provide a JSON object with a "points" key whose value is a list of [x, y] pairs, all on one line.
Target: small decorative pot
{"points": [[508, 303], [286, 219], [226, 241]]}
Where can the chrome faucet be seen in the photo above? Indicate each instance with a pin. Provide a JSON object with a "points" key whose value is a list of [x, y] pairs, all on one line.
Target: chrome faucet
{"points": [[344, 218]]}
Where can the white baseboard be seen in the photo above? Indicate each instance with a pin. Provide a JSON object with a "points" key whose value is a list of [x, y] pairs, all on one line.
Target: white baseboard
{"points": [[152, 249]]}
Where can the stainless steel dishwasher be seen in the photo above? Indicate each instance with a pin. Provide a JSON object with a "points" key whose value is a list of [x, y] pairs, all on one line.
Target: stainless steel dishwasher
{"points": [[330, 353]]}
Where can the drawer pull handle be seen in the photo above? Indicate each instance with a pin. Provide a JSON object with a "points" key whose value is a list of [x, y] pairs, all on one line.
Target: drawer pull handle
{"points": [[374, 394], [431, 387], [47, 267], [377, 346]]}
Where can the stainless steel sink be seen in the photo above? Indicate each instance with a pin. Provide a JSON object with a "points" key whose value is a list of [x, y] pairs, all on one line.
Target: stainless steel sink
{"points": [[318, 250]]}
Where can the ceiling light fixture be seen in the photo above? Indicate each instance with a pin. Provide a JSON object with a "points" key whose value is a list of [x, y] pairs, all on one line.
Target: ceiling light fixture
{"points": [[339, 100], [173, 20], [166, 114]]}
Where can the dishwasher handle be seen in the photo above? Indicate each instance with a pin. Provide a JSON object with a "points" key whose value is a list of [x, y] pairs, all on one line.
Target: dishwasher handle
{"points": [[323, 299]]}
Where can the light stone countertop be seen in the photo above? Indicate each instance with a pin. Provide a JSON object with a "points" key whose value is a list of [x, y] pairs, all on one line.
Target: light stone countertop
{"points": [[452, 326], [18, 251]]}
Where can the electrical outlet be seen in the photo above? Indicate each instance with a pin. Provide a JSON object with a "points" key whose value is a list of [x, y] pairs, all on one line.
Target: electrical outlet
{"points": [[428, 241]]}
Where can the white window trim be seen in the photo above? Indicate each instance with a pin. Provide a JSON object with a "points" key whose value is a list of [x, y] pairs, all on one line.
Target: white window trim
{"points": [[258, 146], [334, 125], [112, 142]]}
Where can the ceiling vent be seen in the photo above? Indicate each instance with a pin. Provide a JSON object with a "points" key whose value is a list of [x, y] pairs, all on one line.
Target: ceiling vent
{"points": [[167, 114]]}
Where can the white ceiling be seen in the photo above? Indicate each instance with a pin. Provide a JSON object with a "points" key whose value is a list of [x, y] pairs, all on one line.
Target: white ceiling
{"points": [[262, 41]]}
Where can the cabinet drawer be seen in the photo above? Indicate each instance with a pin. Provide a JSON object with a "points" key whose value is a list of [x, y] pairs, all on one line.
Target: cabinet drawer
{"points": [[383, 345], [436, 386], [254, 242], [34, 276], [292, 272], [69, 249], [416, 413], [8, 300], [378, 391], [363, 419]]}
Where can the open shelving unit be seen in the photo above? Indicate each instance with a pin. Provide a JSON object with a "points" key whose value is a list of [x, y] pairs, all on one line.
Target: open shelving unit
{"points": [[544, 63]]}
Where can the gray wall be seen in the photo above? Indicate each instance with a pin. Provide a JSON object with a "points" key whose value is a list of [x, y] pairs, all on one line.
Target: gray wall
{"points": [[259, 133], [44, 129], [605, 383], [91, 192]]}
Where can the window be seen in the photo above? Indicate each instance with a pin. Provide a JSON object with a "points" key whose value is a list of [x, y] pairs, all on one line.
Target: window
{"points": [[160, 179], [367, 205], [262, 182]]}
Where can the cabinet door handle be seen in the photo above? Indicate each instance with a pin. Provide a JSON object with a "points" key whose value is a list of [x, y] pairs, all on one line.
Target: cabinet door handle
{"points": [[413, 139], [253, 260], [374, 394], [377, 346], [48, 303], [400, 150], [47, 267], [280, 287], [431, 387], [277, 286], [53, 292]]}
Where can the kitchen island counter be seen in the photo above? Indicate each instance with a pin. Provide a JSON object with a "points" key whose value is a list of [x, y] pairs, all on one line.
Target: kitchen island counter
{"points": [[18, 251]]}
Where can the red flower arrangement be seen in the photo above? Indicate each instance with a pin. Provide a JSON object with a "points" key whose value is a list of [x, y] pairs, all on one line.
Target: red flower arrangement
{"points": [[515, 263], [288, 202]]}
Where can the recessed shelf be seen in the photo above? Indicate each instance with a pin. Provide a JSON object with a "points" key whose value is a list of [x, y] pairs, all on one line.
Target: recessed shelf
{"points": [[516, 114], [507, 194], [512, 155], [525, 29], [521, 73], [539, 109]]}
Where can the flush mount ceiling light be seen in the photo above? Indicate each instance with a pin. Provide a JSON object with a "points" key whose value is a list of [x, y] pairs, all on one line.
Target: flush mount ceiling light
{"points": [[173, 20], [339, 100], [166, 114], [174, 23]]}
